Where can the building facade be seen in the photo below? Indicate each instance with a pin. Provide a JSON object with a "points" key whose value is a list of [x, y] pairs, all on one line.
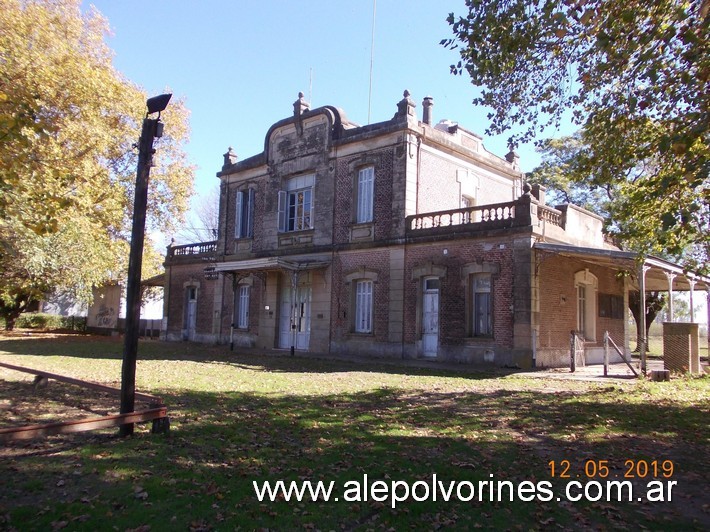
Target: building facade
{"points": [[398, 239]]}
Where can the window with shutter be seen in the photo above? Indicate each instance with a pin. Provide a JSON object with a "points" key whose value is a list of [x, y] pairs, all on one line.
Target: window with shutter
{"points": [[365, 195], [363, 306]]}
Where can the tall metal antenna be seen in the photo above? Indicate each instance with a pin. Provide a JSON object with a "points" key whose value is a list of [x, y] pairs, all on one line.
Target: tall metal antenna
{"points": [[310, 86], [372, 58]]}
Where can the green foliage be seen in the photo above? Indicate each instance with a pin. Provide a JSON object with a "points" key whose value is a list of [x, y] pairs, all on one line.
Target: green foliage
{"points": [[633, 74], [50, 322], [561, 174], [68, 124]]}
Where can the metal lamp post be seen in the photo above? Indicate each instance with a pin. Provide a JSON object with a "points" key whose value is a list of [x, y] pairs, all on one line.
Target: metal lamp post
{"points": [[152, 128]]}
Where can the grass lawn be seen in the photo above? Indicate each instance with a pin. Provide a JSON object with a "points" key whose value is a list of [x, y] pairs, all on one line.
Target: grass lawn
{"points": [[239, 418]]}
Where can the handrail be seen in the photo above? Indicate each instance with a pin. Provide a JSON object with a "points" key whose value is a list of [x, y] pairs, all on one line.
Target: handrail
{"points": [[607, 341]]}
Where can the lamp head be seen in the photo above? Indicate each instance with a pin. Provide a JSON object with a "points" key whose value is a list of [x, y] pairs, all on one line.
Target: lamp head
{"points": [[156, 104]]}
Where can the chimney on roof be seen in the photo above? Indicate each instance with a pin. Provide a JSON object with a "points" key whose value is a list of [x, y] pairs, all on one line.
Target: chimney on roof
{"points": [[405, 108], [427, 104], [300, 106], [513, 158], [229, 158]]}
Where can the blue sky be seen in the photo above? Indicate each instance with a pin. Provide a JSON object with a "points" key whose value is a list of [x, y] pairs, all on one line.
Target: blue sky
{"points": [[240, 64]]}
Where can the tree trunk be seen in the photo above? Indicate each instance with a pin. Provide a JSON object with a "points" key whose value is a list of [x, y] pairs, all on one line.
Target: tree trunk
{"points": [[10, 312], [655, 301], [10, 318]]}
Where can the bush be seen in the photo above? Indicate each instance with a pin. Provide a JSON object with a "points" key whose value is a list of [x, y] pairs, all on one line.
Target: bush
{"points": [[37, 320]]}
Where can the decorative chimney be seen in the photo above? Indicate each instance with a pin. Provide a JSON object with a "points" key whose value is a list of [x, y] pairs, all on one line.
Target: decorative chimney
{"points": [[300, 106], [513, 158], [229, 158], [427, 104], [405, 107]]}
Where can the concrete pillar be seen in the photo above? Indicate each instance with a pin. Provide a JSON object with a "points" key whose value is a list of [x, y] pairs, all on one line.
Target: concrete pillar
{"points": [[680, 348]]}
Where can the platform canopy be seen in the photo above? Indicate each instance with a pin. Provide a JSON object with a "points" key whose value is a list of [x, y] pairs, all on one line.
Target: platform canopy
{"points": [[657, 270], [272, 264]]}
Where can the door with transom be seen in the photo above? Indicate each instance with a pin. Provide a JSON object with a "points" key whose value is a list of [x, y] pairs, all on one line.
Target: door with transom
{"points": [[430, 317], [295, 317]]}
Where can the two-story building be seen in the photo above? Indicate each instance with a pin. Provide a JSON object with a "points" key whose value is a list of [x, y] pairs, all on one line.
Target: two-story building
{"points": [[404, 238]]}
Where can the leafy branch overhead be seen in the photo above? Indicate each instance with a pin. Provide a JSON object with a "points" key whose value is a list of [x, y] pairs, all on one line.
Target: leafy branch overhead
{"points": [[632, 74]]}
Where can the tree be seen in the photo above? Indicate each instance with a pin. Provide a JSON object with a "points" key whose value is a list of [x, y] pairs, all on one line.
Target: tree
{"points": [[560, 173], [633, 74], [204, 225], [655, 301], [68, 124]]}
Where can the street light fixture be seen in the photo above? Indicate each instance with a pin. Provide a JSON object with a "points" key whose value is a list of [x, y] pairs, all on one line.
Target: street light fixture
{"points": [[157, 104], [152, 128]]}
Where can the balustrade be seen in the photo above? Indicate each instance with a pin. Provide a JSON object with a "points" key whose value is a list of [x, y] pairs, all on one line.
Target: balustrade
{"points": [[199, 248]]}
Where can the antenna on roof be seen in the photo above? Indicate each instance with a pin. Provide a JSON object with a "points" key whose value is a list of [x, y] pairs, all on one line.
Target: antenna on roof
{"points": [[310, 85], [372, 58]]}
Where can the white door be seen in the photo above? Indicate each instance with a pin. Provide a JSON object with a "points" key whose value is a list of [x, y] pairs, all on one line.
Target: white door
{"points": [[430, 318], [295, 318], [191, 313]]}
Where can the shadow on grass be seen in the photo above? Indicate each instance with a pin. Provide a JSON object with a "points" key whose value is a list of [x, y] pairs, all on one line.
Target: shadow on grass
{"points": [[111, 348], [201, 475]]}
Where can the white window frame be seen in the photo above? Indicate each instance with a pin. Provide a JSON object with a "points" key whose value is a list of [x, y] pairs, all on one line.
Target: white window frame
{"points": [[242, 300], [296, 205], [365, 194], [244, 216], [364, 290], [480, 329], [586, 286]]}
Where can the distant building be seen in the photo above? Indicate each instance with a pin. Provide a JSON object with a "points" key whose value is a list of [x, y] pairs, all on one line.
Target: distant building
{"points": [[401, 239]]}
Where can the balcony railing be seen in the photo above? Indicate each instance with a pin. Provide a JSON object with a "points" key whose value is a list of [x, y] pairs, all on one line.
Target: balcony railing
{"points": [[550, 215], [200, 248], [517, 213]]}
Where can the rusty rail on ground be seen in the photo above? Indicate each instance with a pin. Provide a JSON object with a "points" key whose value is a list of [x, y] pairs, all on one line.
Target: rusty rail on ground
{"points": [[93, 385], [28, 432], [158, 412]]}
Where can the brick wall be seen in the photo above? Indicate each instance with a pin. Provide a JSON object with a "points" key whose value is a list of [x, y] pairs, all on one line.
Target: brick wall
{"points": [[377, 261], [178, 276], [454, 331], [383, 161], [558, 307], [438, 188]]}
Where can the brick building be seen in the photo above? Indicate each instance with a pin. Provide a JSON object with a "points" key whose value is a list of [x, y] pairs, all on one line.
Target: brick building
{"points": [[399, 239]]}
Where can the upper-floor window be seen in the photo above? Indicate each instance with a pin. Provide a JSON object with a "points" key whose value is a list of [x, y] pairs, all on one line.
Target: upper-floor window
{"points": [[244, 222], [365, 189], [296, 204]]}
